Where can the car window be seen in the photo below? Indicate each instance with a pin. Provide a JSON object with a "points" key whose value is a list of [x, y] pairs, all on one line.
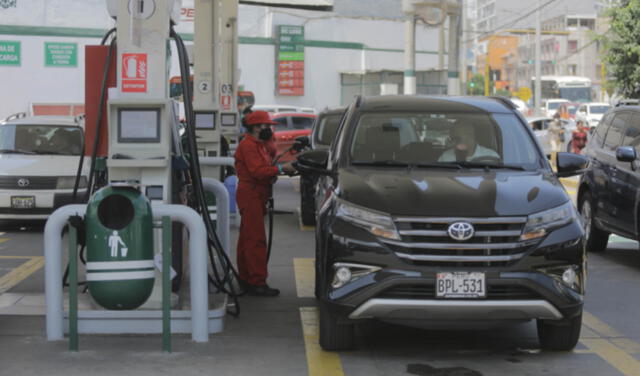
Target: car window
{"points": [[41, 139], [581, 109], [554, 105], [300, 122], [614, 135], [632, 133], [415, 138], [282, 124], [328, 127], [601, 130]]}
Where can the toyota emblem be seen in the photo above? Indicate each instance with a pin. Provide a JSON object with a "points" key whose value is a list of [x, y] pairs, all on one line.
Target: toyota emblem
{"points": [[460, 231], [23, 182]]}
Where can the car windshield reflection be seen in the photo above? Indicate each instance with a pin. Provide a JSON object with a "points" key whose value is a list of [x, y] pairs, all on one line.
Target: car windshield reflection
{"points": [[41, 139]]}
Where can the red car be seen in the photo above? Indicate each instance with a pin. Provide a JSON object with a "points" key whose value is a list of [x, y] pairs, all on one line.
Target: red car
{"points": [[290, 125]]}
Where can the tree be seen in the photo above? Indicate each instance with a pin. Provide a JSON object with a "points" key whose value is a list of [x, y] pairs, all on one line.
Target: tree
{"points": [[476, 85], [623, 48]]}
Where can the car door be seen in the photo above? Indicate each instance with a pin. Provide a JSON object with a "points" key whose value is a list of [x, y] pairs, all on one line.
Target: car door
{"points": [[625, 180], [606, 155]]}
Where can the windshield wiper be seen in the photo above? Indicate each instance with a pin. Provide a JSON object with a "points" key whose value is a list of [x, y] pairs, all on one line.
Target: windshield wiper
{"points": [[50, 152], [467, 164], [438, 165], [16, 151], [386, 162]]}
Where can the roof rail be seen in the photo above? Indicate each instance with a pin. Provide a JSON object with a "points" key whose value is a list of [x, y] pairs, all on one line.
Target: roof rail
{"points": [[628, 102], [506, 101], [17, 115]]}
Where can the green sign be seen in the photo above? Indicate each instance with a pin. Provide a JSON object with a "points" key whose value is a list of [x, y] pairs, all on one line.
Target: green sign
{"points": [[60, 54], [291, 30], [9, 53], [286, 38], [288, 56], [286, 47]]}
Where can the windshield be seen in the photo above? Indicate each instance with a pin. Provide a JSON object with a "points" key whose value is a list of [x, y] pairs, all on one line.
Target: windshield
{"points": [[554, 105], [599, 109], [41, 139], [441, 139], [576, 94], [328, 128]]}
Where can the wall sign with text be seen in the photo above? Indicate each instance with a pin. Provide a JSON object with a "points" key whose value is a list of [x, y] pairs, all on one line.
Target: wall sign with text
{"points": [[290, 61]]}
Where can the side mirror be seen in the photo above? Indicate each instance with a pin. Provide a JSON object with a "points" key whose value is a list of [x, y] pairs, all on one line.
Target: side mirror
{"points": [[313, 162], [626, 154], [569, 164]]}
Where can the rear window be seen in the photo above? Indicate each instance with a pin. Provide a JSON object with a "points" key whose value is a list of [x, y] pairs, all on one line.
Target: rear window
{"points": [[282, 124], [415, 138], [599, 109]]}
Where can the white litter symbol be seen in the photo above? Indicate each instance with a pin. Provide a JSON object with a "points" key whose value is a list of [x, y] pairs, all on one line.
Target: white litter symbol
{"points": [[114, 242]]}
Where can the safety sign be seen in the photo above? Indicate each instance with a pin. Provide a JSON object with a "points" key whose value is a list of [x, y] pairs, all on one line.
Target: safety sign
{"points": [[115, 243], [134, 72], [60, 54], [9, 52]]}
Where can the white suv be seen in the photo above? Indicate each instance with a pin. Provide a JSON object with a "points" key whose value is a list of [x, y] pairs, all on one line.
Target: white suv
{"points": [[591, 113], [39, 158]]}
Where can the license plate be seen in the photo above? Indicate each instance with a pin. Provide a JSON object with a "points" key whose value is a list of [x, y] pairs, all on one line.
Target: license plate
{"points": [[23, 202], [460, 285]]}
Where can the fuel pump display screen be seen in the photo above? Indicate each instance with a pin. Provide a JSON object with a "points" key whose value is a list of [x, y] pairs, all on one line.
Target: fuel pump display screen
{"points": [[138, 125], [205, 120], [228, 120]]}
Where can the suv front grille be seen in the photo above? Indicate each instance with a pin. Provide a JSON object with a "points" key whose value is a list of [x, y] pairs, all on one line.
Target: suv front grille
{"points": [[29, 182], [497, 292], [425, 241]]}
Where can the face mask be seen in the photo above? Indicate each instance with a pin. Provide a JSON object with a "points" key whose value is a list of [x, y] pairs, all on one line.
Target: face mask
{"points": [[265, 134]]}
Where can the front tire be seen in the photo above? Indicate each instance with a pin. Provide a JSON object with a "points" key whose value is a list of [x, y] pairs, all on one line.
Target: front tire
{"points": [[560, 335], [596, 239], [334, 335]]}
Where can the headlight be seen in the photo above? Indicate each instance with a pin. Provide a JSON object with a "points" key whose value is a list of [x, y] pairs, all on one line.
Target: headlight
{"points": [[67, 182], [379, 224], [541, 223]]}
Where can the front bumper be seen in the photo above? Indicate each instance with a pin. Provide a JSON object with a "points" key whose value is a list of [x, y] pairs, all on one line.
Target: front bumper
{"points": [[46, 203], [401, 289]]}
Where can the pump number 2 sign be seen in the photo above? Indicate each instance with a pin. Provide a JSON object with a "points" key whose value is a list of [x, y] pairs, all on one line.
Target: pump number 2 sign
{"points": [[134, 73]]}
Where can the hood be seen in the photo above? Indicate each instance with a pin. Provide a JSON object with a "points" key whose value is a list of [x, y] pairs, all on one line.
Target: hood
{"points": [[597, 117], [459, 193], [40, 165]]}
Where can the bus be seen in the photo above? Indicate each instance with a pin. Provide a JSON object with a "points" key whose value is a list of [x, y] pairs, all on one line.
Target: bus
{"points": [[571, 88]]}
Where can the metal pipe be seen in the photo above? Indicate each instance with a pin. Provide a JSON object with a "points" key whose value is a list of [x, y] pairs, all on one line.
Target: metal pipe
{"points": [[197, 264], [53, 267], [222, 203], [537, 98], [217, 161], [410, 55]]}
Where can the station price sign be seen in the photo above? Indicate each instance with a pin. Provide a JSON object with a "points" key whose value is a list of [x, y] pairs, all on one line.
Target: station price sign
{"points": [[60, 54], [10, 53], [290, 61]]}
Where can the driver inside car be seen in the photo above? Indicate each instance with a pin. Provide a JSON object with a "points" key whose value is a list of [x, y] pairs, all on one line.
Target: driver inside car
{"points": [[465, 146]]}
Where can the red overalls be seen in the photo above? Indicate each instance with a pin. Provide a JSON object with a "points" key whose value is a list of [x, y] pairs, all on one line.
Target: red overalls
{"points": [[255, 175]]}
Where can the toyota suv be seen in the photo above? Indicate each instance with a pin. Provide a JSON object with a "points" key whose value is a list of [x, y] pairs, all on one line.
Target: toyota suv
{"points": [[440, 209], [39, 158]]}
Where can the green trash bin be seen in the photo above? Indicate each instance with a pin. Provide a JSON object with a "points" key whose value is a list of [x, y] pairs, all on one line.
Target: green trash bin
{"points": [[120, 268]]}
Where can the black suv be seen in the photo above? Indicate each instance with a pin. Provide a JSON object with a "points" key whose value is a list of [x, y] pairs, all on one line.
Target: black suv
{"points": [[444, 209], [323, 132], [608, 196]]}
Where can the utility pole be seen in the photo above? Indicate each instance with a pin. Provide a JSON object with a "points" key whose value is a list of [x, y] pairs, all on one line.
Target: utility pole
{"points": [[537, 91], [410, 55], [465, 44]]}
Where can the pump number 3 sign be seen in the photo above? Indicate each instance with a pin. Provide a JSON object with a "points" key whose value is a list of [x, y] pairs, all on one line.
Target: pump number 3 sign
{"points": [[134, 73]]}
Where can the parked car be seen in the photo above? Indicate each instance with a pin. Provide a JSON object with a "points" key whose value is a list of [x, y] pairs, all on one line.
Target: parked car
{"points": [[323, 132], [39, 158], [591, 113], [289, 127], [550, 106], [608, 196], [540, 125], [414, 230]]}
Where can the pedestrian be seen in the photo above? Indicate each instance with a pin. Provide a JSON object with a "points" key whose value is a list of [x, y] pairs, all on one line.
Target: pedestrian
{"points": [[579, 138], [556, 133], [256, 174]]}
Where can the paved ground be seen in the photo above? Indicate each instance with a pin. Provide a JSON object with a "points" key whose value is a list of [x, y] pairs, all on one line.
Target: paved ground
{"points": [[278, 336]]}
